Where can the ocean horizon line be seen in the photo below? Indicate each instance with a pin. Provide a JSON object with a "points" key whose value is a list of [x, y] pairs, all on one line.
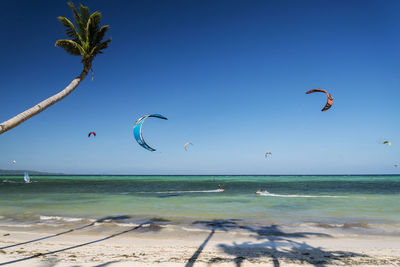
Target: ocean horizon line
{"points": [[273, 175]]}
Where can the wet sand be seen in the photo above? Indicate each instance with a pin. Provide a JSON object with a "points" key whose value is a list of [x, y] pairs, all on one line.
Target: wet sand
{"points": [[203, 243]]}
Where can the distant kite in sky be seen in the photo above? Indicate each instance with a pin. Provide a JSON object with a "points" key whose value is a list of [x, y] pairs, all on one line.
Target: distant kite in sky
{"points": [[91, 133], [396, 165], [137, 130], [267, 153], [387, 142], [14, 162], [330, 98], [187, 145]]}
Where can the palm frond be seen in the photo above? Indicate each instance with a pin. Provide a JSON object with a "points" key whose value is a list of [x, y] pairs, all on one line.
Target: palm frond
{"points": [[85, 14], [78, 19], [97, 49], [99, 35], [92, 25], [71, 47], [70, 29]]}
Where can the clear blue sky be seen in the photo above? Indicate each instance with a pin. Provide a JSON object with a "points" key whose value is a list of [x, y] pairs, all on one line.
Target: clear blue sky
{"points": [[231, 77]]}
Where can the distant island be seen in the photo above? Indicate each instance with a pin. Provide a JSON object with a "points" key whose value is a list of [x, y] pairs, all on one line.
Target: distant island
{"points": [[21, 172]]}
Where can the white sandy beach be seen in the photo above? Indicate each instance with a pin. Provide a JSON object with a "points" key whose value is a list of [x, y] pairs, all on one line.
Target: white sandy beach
{"points": [[217, 245]]}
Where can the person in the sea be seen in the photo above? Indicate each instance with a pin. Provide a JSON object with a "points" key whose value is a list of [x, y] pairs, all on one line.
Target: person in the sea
{"points": [[259, 191], [220, 187]]}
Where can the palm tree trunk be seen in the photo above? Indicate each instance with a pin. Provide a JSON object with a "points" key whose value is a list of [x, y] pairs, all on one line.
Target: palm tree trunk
{"points": [[29, 113]]}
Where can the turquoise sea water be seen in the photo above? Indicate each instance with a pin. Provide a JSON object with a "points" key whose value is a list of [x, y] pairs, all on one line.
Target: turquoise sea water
{"points": [[372, 200]]}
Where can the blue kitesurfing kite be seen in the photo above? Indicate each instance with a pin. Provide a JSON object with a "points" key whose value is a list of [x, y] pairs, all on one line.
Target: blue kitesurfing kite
{"points": [[137, 130]]}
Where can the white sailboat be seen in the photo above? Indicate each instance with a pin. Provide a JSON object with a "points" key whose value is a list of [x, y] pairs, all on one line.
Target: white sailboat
{"points": [[26, 178]]}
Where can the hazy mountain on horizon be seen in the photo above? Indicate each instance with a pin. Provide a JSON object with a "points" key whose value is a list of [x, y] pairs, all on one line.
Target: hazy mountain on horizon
{"points": [[21, 172]]}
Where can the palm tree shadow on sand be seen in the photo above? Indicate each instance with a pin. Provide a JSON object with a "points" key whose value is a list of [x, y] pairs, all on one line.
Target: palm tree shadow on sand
{"points": [[152, 227], [221, 225], [108, 218], [282, 246], [278, 245]]}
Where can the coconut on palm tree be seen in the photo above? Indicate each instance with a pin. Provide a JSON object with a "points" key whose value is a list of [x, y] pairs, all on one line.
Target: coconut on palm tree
{"points": [[85, 40]]}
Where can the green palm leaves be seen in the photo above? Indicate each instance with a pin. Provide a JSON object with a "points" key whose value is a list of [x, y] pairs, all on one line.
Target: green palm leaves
{"points": [[86, 36]]}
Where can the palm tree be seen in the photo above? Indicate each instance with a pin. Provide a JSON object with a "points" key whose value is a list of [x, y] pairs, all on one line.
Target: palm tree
{"points": [[86, 40]]}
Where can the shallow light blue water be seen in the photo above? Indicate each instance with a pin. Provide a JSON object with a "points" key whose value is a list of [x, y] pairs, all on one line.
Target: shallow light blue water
{"points": [[293, 199]]}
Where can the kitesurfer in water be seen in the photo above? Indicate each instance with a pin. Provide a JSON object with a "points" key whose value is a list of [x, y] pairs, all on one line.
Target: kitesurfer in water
{"points": [[259, 191], [220, 187]]}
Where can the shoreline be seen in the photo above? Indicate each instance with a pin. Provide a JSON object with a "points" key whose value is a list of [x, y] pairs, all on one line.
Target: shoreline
{"points": [[54, 223], [352, 225], [204, 243], [45, 223]]}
